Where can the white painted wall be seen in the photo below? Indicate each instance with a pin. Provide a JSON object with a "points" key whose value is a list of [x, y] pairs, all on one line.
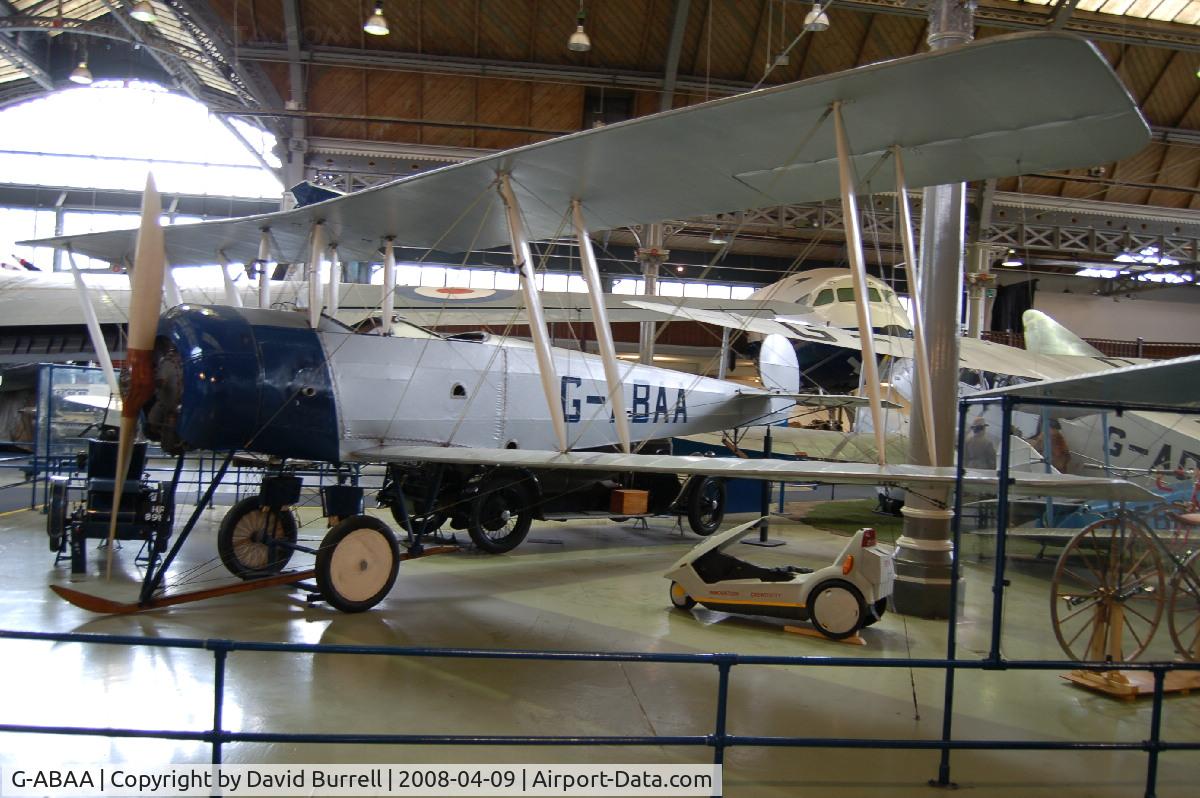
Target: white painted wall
{"points": [[1169, 314], [1123, 318]]}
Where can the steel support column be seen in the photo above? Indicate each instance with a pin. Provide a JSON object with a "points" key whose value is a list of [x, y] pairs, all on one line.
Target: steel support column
{"points": [[923, 552], [651, 257]]}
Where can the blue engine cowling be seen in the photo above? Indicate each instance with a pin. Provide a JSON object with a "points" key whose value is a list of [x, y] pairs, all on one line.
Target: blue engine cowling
{"points": [[240, 378]]}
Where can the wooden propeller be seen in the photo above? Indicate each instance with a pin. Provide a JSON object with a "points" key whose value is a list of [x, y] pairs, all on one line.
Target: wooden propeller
{"points": [[146, 284]]}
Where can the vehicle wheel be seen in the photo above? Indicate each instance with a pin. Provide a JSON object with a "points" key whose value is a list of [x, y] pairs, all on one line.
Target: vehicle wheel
{"points": [[680, 598], [1183, 609], [836, 609], [56, 514], [244, 539], [497, 519], [879, 608], [357, 563], [706, 506], [437, 520], [1162, 520], [1108, 577]]}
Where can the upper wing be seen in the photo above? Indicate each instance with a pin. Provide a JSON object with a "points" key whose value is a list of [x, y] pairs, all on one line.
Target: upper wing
{"points": [[907, 476], [1052, 102]]}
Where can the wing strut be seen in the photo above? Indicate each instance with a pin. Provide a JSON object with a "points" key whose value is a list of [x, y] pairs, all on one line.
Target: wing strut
{"points": [[314, 274], [912, 274], [523, 260], [89, 317], [389, 286], [612, 373], [264, 276], [232, 297], [859, 274], [174, 298], [335, 279]]}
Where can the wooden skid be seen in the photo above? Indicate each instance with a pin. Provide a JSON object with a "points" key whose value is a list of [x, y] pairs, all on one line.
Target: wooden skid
{"points": [[105, 606], [807, 631], [1132, 684]]}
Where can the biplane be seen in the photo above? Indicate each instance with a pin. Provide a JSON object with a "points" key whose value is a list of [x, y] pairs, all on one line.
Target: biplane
{"points": [[483, 420]]}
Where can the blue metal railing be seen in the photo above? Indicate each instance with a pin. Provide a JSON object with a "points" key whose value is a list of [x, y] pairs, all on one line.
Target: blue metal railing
{"points": [[719, 739]]}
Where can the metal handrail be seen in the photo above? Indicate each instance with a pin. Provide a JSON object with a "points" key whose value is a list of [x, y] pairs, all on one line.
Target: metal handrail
{"points": [[719, 739]]}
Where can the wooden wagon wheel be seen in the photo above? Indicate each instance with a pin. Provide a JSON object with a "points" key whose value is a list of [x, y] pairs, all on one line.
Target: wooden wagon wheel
{"points": [[1183, 608], [1108, 591]]}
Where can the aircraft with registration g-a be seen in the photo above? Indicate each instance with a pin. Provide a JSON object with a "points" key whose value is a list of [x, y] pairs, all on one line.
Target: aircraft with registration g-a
{"points": [[300, 385]]}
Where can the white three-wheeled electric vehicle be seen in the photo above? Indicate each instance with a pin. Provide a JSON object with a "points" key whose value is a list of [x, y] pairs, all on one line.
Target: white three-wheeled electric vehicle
{"points": [[839, 599]]}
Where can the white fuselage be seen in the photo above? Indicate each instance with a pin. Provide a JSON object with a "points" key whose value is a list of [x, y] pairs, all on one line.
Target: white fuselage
{"points": [[481, 394]]}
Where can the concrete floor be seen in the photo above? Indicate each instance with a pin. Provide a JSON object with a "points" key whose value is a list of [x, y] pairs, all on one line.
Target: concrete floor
{"points": [[570, 587]]}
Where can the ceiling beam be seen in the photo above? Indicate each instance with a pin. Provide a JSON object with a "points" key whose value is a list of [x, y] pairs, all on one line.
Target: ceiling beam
{"points": [[1062, 12], [214, 37], [486, 68], [12, 48], [1104, 27]]}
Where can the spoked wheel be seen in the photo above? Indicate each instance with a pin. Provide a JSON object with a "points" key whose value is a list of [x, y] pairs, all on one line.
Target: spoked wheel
{"points": [[1108, 590], [357, 563], [1183, 608], [1162, 520], [706, 506], [255, 541], [680, 597], [56, 514], [498, 520], [436, 520], [836, 609]]}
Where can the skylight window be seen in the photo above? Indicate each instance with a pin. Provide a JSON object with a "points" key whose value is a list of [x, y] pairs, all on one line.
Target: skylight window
{"points": [[108, 135]]}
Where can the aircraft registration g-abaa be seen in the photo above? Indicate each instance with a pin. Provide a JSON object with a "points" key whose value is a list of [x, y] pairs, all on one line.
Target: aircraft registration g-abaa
{"points": [[485, 423]]}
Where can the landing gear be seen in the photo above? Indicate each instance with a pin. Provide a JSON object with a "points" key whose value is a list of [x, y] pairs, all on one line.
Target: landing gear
{"points": [[425, 524], [255, 540], [357, 563], [56, 513], [706, 506], [498, 519]]}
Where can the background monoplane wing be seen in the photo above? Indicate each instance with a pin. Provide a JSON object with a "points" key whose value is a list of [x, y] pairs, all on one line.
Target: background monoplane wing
{"points": [[1163, 383], [1002, 106], [973, 353], [905, 476]]}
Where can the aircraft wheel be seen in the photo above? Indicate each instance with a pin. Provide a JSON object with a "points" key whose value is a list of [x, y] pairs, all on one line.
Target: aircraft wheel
{"points": [[1183, 608], [498, 520], [357, 563], [836, 609], [1108, 580], [245, 539], [706, 506], [56, 514], [680, 597]]}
